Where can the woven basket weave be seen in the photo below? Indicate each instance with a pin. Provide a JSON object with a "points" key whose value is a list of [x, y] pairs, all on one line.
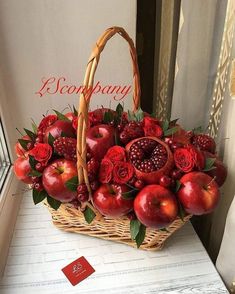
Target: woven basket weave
{"points": [[71, 219]]}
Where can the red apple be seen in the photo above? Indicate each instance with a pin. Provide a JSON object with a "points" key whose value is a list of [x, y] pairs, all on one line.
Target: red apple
{"points": [[59, 127], [70, 115], [220, 171], [199, 193], [99, 139], [155, 206], [56, 175], [19, 150], [22, 168], [109, 201]]}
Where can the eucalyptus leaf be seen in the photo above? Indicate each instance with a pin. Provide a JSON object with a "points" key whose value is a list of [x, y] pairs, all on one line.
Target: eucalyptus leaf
{"points": [[139, 114], [165, 125], [140, 236], [209, 164], [89, 215], [130, 194]]}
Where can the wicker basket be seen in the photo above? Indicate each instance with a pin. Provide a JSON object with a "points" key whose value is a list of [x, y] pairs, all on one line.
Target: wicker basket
{"points": [[71, 219]]}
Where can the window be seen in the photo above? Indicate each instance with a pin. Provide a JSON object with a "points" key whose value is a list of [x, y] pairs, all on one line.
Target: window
{"points": [[5, 162]]}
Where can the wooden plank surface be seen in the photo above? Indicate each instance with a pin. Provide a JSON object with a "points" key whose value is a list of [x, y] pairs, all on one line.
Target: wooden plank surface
{"points": [[39, 251]]}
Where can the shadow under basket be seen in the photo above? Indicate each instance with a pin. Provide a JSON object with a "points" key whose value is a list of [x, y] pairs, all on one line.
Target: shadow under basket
{"points": [[71, 219]]}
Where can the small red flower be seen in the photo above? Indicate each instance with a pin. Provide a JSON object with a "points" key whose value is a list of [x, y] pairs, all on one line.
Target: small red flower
{"points": [[41, 152], [116, 153], [106, 171], [152, 127], [122, 172]]}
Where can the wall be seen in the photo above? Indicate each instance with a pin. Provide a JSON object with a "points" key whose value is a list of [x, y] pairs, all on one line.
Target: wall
{"points": [[54, 38]]}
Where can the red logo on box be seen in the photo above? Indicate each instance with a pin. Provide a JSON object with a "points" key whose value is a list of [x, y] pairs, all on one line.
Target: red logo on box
{"points": [[78, 270]]}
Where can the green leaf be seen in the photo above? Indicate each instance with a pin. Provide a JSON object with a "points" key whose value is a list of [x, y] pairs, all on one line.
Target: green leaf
{"points": [[63, 134], [116, 139], [89, 215], [72, 183], [181, 212], [61, 116], [24, 143], [34, 126], [39, 196], [177, 186], [51, 139], [131, 116], [209, 164], [173, 122], [171, 131], [108, 117], [134, 228], [140, 236], [165, 125], [31, 135], [139, 114], [75, 111], [32, 162], [198, 130], [55, 204], [35, 173], [119, 110], [130, 194]]}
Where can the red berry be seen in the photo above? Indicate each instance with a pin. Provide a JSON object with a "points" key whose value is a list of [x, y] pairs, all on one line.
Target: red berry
{"points": [[139, 184], [30, 145], [82, 188], [38, 187], [83, 197], [35, 179], [93, 166], [39, 167], [165, 181], [131, 131], [176, 174]]}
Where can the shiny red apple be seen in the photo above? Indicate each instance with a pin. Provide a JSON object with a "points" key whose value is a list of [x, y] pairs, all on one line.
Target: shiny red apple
{"points": [[22, 168], [219, 172], [99, 139], [155, 206], [59, 127], [56, 175], [19, 150], [199, 193], [109, 201]]}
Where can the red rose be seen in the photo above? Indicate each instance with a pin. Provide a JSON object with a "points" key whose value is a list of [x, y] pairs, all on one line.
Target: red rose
{"points": [[199, 158], [184, 159], [106, 171], [41, 152], [116, 153], [75, 123], [122, 172], [152, 127], [46, 122]]}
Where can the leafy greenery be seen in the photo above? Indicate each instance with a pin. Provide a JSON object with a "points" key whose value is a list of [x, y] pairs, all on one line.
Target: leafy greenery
{"points": [[35, 173], [61, 116], [31, 135], [89, 215], [32, 162], [39, 196], [108, 117], [177, 186], [72, 183], [209, 165], [23, 143], [55, 204], [137, 231], [51, 139]]}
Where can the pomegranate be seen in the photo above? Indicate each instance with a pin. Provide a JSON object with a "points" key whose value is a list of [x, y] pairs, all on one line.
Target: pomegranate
{"points": [[151, 158]]}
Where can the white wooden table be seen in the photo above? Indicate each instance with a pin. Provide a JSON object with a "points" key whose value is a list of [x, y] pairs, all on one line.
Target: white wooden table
{"points": [[39, 250]]}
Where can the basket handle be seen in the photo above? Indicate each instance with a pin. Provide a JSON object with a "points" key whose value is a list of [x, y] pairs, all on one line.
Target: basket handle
{"points": [[85, 97]]}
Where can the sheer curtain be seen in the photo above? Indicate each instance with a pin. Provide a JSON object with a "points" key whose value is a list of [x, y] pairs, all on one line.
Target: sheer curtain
{"points": [[203, 59]]}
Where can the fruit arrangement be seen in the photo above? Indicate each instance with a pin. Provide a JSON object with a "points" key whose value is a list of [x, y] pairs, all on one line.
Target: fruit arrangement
{"points": [[139, 167]]}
